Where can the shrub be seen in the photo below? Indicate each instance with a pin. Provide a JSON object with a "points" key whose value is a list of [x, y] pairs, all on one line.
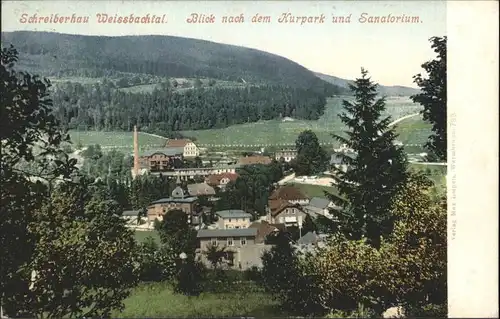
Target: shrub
{"points": [[253, 274], [361, 312], [416, 252], [409, 269], [67, 149], [431, 311], [156, 263], [289, 278], [347, 271], [189, 277]]}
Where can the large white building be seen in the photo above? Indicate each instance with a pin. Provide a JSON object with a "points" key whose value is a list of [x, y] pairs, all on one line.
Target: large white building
{"points": [[190, 149], [287, 155]]}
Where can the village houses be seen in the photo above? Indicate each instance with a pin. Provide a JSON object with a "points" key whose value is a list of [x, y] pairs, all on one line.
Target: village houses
{"points": [[320, 206], [179, 200], [201, 189], [265, 229], [290, 193], [229, 219], [221, 180], [254, 160], [241, 250], [286, 155], [281, 211], [161, 160], [189, 149]]}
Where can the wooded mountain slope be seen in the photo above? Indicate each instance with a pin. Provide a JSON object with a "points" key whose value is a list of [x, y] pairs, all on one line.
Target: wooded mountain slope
{"points": [[56, 54]]}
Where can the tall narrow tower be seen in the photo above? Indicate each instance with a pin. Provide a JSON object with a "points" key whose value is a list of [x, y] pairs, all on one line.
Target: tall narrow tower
{"points": [[136, 152]]}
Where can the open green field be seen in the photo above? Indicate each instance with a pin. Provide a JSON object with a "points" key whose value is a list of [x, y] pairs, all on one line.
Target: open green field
{"points": [[119, 140], [148, 88], [142, 88], [315, 190], [413, 130], [157, 300], [271, 133], [278, 132]]}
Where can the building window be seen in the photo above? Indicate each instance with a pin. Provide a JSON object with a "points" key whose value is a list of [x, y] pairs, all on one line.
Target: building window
{"points": [[214, 241], [230, 241], [229, 220], [243, 241]]}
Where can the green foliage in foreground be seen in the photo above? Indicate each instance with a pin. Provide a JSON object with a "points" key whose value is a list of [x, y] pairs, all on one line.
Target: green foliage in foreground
{"points": [[434, 98], [408, 269], [159, 300]]}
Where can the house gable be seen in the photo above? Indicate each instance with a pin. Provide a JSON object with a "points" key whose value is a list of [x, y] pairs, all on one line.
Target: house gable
{"points": [[289, 193]]}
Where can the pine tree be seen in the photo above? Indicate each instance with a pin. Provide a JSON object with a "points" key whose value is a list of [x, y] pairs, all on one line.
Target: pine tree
{"points": [[433, 97], [376, 170], [311, 157]]}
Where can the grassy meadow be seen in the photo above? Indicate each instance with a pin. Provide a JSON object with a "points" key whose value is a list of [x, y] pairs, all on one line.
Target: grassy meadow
{"points": [[158, 300], [118, 140], [271, 133], [413, 130], [279, 132], [315, 190]]}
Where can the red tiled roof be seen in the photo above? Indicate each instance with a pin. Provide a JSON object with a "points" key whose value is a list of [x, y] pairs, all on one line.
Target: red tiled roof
{"points": [[216, 178], [263, 229], [277, 205], [288, 193], [177, 142], [255, 159]]}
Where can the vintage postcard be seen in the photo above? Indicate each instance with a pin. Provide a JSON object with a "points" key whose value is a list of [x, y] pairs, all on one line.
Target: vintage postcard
{"points": [[331, 159]]}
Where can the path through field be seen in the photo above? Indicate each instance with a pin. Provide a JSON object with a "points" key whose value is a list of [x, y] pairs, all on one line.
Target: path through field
{"points": [[402, 119], [154, 135]]}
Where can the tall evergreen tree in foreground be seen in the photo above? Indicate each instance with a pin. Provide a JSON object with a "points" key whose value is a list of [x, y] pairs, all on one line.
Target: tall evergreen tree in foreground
{"points": [[433, 97], [376, 170]]}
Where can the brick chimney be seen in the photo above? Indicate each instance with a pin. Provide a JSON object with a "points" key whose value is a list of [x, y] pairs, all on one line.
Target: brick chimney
{"points": [[136, 152]]}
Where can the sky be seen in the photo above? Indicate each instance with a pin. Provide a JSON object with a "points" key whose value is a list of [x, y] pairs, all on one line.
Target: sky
{"points": [[392, 53]]}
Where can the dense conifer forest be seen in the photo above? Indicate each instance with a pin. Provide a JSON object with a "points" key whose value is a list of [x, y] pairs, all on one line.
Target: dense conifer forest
{"points": [[101, 107]]}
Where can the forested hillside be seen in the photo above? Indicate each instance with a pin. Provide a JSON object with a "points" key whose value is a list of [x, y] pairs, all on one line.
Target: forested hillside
{"points": [[113, 83], [55, 54], [102, 107]]}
